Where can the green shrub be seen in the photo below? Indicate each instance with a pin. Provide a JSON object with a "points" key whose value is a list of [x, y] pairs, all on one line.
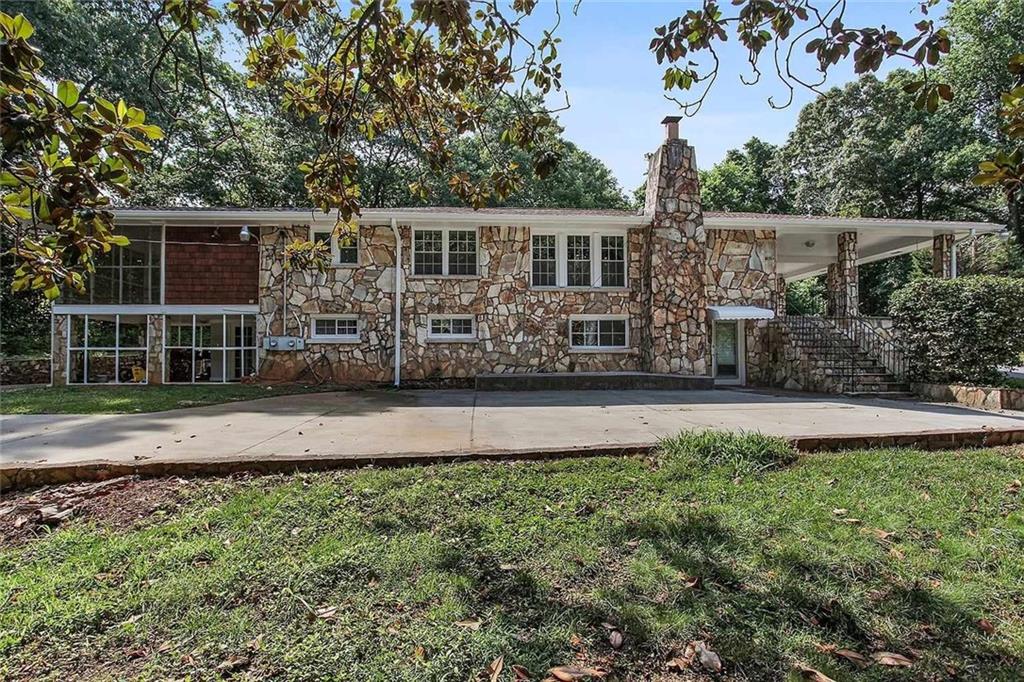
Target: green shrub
{"points": [[743, 452], [960, 330]]}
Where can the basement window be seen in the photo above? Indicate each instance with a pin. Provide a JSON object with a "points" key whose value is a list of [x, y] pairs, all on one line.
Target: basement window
{"points": [[336, 328], [445, 252], [598, 333], [451, 328]]}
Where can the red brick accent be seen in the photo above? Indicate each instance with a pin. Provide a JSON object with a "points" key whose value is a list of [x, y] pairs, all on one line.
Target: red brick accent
{"points": [[208, 269]]}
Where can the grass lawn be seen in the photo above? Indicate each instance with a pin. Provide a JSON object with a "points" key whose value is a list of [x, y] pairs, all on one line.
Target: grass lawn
{"points": [[431, 573], [125, 399]]}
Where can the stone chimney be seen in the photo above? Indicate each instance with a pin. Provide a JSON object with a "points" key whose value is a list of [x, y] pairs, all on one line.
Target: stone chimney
{"points": [[678, 332]]}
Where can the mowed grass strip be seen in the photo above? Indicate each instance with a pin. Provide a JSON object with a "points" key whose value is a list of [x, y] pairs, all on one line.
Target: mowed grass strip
{"points": [[135, 399], [430, 573]]}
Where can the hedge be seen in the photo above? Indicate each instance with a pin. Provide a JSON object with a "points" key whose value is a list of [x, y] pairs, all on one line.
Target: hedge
{"points": [[960, 330]]}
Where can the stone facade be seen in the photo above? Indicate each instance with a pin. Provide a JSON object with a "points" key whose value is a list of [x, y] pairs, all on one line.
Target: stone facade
{"points": [[519, 329], [677, 338], [842, 278], [942, 255], [741, 270]]}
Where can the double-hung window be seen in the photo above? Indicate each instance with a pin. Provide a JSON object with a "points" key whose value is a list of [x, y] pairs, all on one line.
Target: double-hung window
{"points": [[344, 245], [445, 252], [336, 328], [577, 260], [598, 332], [451, 328]]}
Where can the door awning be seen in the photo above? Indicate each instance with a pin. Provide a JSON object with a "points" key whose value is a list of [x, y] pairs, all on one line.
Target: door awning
{"points": [[740, 312]]}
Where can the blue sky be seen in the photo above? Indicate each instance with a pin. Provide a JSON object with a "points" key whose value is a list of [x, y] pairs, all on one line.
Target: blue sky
{"points": [[614, 83]]}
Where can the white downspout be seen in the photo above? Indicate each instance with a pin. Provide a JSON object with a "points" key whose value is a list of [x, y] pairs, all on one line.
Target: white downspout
{"points": [[398, 302]]}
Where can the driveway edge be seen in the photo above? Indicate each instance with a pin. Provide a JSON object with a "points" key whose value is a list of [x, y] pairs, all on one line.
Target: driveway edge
{"points": [[19, 477]]}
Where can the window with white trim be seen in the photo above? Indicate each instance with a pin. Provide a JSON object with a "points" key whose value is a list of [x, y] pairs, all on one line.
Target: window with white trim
{"points": [[108, 349], [451, 327], [126, 274], [335, 328], [578, 260], [544, 260], [214, 348], [590, 332], [344, 245], [445, 252]]}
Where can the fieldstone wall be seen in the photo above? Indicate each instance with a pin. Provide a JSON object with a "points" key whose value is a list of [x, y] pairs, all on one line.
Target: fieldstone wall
{"points": [[741, 270], [519, 329], [842, 278], [986, 397], [19, 369], [782, 363], [677, 337], [58, 349], [155, 370], [364, 291], [942, 255]]}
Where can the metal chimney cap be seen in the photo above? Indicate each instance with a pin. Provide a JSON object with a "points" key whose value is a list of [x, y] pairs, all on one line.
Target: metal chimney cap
{"points": [[671, 119]]}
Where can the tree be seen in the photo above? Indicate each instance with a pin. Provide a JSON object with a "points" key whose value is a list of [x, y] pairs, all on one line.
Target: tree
{"points": [[66, 152], [745, 180]]}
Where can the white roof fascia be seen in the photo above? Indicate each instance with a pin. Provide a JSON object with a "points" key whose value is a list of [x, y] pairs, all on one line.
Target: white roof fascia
{"points": [[372, 217], [803, 223]]}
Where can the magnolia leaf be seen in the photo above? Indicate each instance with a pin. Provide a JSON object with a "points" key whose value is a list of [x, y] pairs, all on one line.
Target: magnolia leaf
{"points": [[67, 93]]}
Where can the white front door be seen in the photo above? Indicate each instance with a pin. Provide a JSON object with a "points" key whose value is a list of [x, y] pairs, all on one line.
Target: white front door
{"points": [[728, 354]]}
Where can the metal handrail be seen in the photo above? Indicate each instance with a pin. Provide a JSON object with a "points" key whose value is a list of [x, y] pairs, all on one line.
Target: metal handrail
{"points": [[888, 352], [821, 340]]}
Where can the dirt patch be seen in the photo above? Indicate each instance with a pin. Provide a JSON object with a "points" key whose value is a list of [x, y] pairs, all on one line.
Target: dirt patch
{"points": [[115, 503]]}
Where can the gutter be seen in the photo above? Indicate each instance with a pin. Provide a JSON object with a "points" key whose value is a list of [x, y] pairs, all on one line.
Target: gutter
{"points": [[398, 302]]}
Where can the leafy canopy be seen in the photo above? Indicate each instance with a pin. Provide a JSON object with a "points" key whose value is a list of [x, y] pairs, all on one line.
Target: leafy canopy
{"points": [[66, 153]]}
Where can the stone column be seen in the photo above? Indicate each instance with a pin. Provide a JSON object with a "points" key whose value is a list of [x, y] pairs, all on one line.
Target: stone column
{"points": [[59, 349], [942, 256], [677, 338], [841, 280], [780, 297], [155, 370]]}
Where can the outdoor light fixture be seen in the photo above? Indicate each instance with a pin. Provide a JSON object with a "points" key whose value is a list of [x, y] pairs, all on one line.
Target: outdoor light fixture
{"points": [[244, 235]]}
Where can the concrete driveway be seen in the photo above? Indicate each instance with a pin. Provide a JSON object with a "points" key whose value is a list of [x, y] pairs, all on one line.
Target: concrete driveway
{"points": [[387, 424]]}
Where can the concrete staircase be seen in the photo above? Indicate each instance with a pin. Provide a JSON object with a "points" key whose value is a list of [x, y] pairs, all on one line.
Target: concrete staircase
{"points": [[835, 353]]}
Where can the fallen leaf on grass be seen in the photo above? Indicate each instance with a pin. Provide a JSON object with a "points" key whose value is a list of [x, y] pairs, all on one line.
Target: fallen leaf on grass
{"points": [[1014, 487], [881, 535], [615, 639], [986, 626], [845, 654], [890, 659], [840, 512], [708, 659], [470, 624], [692, 583], [809, 673], [493, 671], [232, 664], [520, 673], [572, 673], [327, 612]]}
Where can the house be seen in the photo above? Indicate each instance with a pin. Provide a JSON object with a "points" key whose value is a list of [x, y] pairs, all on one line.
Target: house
{"points": [[686, 296]]}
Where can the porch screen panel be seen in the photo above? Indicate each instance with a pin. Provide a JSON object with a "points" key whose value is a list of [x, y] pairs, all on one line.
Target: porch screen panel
{"points": [[107, 349]]}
